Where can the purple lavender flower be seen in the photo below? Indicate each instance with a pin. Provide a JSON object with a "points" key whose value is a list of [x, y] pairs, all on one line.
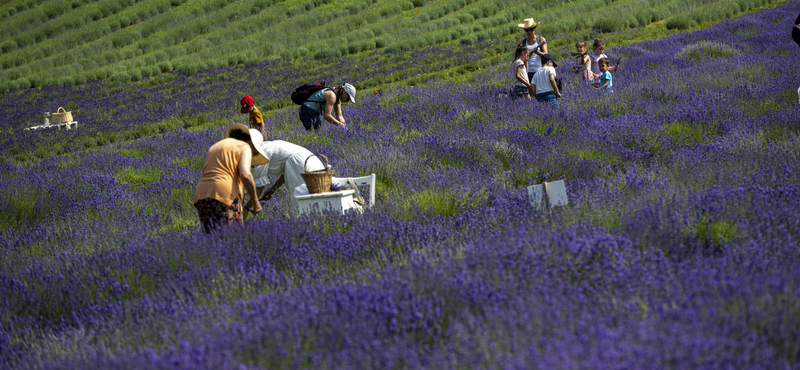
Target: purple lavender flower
{"points": [[677, 250]]}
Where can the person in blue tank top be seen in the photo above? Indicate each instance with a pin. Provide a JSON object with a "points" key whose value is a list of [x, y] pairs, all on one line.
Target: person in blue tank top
{"points": [[326, 104]]}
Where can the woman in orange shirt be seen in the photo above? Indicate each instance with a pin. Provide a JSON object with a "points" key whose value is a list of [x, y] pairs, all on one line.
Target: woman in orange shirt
{"points": [[218, 197]]}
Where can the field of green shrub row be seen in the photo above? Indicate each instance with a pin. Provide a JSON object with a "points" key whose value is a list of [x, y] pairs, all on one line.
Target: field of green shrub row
{"points": [[57, 42]]}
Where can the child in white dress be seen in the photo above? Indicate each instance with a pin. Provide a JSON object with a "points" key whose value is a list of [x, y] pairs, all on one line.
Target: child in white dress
{"points": [[522, 86]]}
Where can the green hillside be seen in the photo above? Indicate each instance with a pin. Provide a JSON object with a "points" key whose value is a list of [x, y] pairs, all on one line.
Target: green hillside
{"points": [[58, 42]]}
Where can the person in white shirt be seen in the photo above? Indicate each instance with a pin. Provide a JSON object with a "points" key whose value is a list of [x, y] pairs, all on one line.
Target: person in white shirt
{"points": [[544, 82], [287, 161]]}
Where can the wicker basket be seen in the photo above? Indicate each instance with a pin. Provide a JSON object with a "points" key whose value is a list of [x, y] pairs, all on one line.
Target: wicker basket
{"points": [[61, 116], [317, 181]]}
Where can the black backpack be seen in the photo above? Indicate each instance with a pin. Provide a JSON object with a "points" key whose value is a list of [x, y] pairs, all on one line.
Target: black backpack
{"points": [[301, 94]]}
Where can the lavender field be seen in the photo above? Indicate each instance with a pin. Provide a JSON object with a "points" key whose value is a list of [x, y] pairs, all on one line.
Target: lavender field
{"points": [[678, 250]]}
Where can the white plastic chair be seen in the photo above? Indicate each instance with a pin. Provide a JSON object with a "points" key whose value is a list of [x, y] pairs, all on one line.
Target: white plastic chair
{"points": [[360, 181]]}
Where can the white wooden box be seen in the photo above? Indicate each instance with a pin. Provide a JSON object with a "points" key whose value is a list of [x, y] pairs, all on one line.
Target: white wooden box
{"points": [[339, 201]]}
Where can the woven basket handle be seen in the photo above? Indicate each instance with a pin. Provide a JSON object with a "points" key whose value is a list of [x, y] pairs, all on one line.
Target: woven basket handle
{"points": [[305, 165], [60, 109]]}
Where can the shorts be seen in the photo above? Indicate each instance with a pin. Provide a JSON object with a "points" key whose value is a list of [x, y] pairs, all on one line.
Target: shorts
{"points": [[213, 213], [310, 118], [520, 90], [548, 97]]}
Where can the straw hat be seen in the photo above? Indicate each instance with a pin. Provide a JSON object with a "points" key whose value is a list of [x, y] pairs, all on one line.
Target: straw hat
{"points": [[529, 23], [255, 137]]}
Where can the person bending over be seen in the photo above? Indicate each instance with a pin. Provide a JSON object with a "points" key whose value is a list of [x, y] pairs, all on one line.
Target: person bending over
{"points": [[218, 197], [286, 162], [327, 104]]}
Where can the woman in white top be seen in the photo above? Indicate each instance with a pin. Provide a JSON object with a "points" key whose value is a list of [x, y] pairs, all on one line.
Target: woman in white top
{"points": [[537, 46], [287, 161]]}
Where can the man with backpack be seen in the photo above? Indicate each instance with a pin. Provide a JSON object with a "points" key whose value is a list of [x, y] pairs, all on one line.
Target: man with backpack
{"points": [[319, 102]]}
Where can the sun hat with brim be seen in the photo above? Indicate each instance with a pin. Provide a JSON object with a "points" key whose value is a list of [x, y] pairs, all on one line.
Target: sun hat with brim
{"points": [[255, 137], [528, 23]]}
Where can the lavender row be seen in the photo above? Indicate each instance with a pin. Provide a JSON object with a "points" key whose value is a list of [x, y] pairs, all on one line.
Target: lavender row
{"points": [[677, 250]]}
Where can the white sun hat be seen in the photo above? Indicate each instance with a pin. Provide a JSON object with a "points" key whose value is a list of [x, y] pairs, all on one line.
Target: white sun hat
{"points": [[257, 139]]}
